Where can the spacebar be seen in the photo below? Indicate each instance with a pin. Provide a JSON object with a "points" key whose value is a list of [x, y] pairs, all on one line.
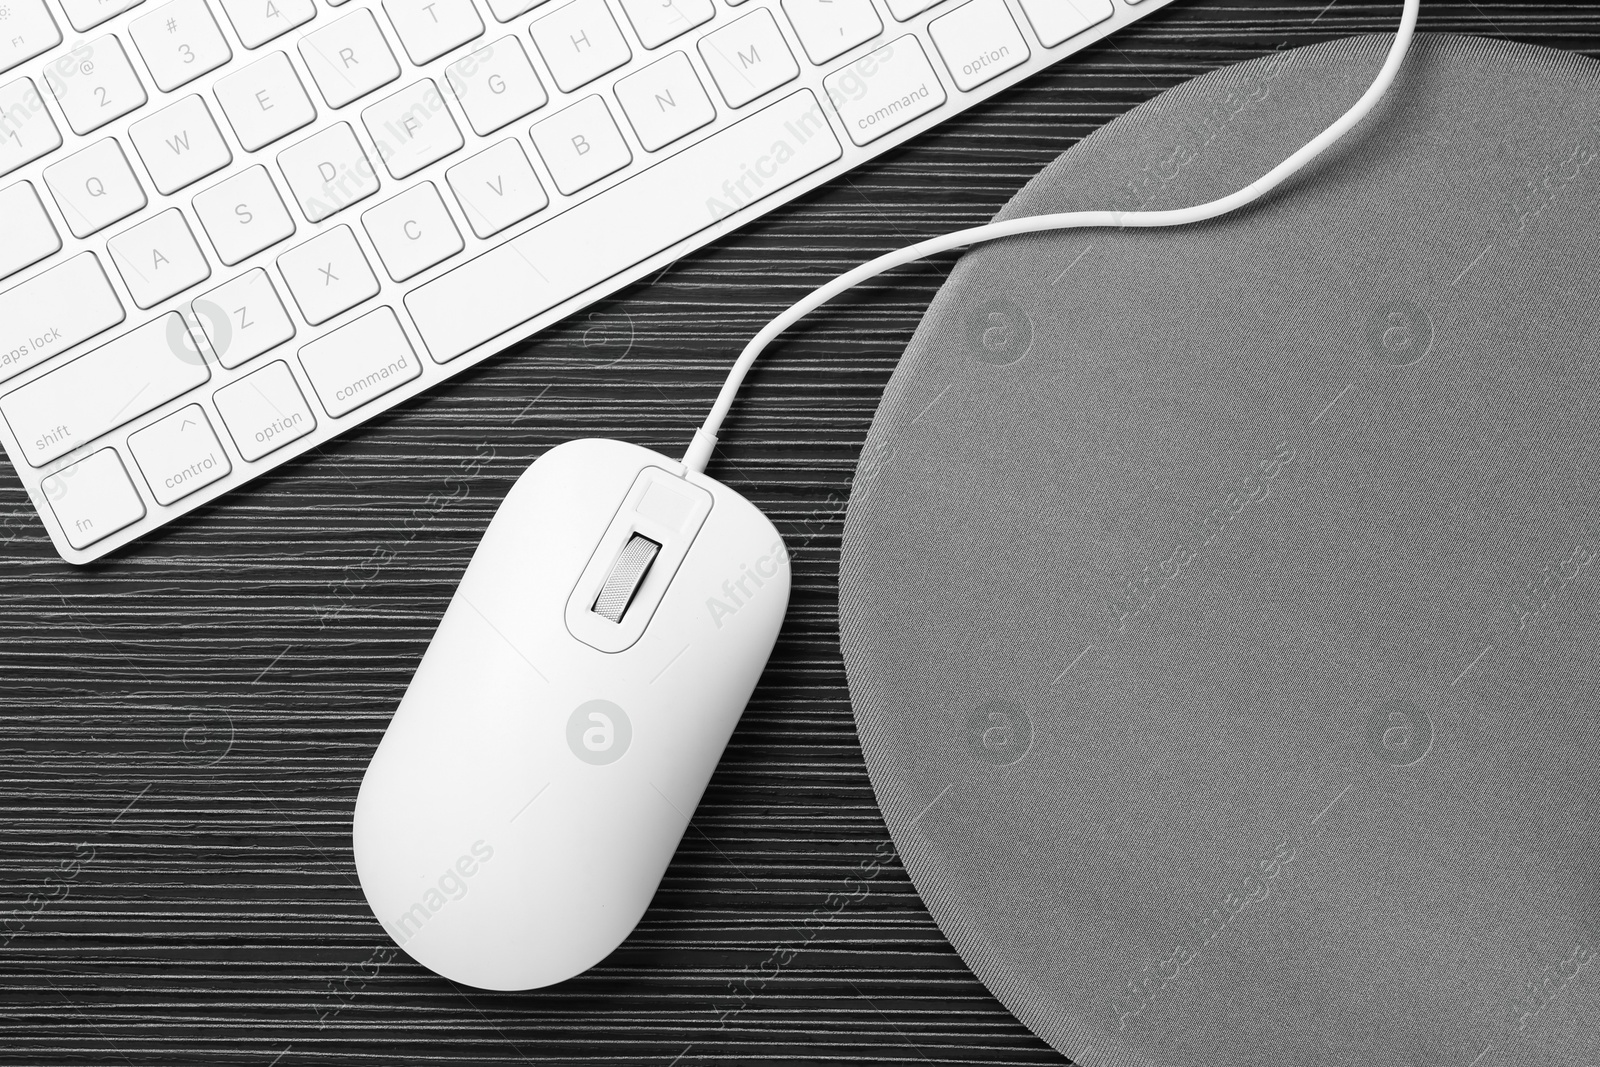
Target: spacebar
{"points": [[610, 232]]}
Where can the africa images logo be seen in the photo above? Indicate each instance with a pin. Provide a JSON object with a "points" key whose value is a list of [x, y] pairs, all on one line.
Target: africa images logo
{"points": [[598, 732], [1399, 733], [999, 332], [1400, 333], [999, 732]]}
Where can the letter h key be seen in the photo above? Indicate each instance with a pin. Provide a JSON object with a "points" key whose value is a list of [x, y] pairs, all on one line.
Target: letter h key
{"points": [[580, 42]]}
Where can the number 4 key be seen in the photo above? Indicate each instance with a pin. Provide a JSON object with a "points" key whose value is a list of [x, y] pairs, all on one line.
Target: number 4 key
{"points": [[260, 21]]}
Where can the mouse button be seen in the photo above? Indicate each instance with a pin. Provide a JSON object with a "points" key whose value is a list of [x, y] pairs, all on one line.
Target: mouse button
{"points": [[665, 503], [662, 509]]}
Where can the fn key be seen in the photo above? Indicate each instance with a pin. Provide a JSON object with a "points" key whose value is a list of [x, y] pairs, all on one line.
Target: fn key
{"points": [[93, 498]]}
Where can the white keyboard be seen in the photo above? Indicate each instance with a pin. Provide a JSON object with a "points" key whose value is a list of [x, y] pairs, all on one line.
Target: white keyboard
{"points": [[232, 229]]}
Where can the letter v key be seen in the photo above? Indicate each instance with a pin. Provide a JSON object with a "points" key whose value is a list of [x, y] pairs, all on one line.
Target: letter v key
{"points": [[496, 188]]}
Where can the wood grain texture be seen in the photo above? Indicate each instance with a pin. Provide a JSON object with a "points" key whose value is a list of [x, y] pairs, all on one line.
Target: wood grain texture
{"points": [[183, 727]]}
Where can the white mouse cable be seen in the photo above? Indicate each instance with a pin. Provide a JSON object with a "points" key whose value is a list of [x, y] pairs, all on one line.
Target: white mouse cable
{"points": [[705, 438]]}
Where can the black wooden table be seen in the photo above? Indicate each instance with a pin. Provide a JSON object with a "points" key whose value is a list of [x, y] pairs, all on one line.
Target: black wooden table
{"points": [[183, 726]]}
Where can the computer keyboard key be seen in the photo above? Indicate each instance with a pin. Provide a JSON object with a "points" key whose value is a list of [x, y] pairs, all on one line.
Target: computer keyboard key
{"points": [[242, 318], [429, 28], [243, 215], [328, 274], [359, 362], [506, 10], [179, 454], [659, 21], [180, 144], [264, 410], [496, 86], [27, 131], [93, 498], [830, 28], [978, 41], [883, 90], [675, 199], [85, 15], [94, 187], [579, 42], [103, 389], [327, 172], [26, 31], [496, 188], [349, 59], [97, 86], [664, 101], [412, 128], [581, 144], [412, 231], [748, 58], [29, 234], [179, 42], [52, 311], [259, 21], [1056, 20], [158, 258], [264, 102], [908, 9]]}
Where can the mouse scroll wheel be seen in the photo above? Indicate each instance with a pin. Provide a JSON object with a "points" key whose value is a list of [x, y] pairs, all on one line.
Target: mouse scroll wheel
{"points": [[627, 574]]}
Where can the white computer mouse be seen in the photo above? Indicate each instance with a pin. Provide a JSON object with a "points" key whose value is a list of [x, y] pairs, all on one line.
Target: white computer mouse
{"points": [[562, 725]]}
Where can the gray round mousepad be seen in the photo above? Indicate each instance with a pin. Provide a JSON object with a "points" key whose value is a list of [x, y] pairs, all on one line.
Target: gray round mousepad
{"points": [[1220, 604]]}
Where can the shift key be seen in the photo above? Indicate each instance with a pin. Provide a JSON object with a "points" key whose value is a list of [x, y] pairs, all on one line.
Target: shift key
{"points": [[104, 388], [52, 312]]}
